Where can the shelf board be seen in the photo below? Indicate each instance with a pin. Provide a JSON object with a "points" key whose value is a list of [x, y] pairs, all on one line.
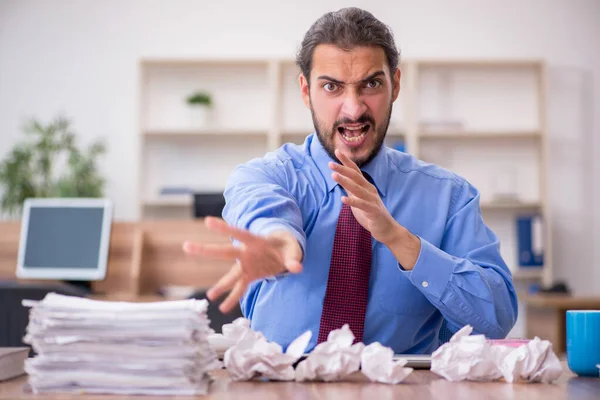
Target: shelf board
{"points": [[217, 131], [527, 273], [186, 62], [169, 201], [509, 205], [480, 135], [306, 132], [481, 63]]}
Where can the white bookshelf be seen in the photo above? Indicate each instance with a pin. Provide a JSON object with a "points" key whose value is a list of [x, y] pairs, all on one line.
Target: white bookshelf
{"points": [[191, 132], [483, 119]]}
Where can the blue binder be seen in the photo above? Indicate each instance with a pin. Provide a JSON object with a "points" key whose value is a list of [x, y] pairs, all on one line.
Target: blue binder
{"points": [[530, 241]]}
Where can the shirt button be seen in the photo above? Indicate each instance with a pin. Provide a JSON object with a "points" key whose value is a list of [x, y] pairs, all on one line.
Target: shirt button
{"points": [[425, 284]]}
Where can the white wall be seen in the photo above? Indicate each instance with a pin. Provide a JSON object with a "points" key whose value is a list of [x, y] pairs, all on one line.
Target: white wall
{"points": [[80, 58]]}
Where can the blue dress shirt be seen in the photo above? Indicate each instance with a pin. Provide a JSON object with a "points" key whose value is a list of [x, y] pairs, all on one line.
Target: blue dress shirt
{"points": [[459, 275]]}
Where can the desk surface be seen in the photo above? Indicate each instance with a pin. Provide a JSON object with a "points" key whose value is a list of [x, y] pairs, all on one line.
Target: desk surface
{"points": [[421, 384]]}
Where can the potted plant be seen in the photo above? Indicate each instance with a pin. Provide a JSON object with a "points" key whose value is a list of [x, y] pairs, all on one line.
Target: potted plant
{"points": [[48, 163], [199, 103]]}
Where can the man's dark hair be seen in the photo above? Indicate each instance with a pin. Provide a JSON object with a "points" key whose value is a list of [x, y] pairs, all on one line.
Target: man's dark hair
{"points": [[347, 28]]}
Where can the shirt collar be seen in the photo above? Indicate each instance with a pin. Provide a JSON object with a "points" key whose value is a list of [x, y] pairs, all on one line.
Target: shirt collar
{"points": [[376, 168]]}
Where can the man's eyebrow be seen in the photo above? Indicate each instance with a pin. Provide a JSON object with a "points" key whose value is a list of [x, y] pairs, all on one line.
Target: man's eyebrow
{"points": [[367, 79], [328, 78], [373, 76]]}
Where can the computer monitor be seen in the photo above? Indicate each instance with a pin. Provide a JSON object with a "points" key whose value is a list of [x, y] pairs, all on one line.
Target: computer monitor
{"points": [[64, 239]]}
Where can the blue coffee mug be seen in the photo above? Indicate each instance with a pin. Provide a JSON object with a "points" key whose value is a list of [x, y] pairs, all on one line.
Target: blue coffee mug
{"points": [[583, 341]]}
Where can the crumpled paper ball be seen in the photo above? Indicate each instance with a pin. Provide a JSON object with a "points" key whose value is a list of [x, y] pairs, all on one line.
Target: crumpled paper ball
{"points": [[253, 356], [473, 358], [532, 362], [333, 359], [232, 332], [377, 364]]}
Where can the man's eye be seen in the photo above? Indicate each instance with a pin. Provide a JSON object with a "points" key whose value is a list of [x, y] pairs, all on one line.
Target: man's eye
{"points": [[330, 87], [374, 84]]}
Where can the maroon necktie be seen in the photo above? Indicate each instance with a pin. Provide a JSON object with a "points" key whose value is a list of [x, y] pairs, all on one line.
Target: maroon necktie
{"points": [[348, 283]]}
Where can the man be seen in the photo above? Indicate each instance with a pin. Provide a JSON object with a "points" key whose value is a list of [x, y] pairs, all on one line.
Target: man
{"points": [[345, 230]]}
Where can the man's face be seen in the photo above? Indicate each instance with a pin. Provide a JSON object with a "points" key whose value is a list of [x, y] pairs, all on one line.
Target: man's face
{"points": [[350, 97]]}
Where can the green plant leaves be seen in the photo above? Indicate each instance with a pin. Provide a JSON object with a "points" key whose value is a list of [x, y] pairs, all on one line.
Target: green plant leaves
{"points": [[48, 163], [199, 98]]}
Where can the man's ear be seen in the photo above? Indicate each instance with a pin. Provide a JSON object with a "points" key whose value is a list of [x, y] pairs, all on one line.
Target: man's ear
{"points": [[396, 82], [305, 90]]}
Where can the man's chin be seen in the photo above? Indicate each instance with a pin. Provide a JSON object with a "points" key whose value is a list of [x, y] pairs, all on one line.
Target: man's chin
{"points": [[359, 158], [353, 153]]}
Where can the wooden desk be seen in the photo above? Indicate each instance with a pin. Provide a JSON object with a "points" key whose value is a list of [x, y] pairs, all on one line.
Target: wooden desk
{"points": [[143, 256], [546, 316], [419, 385]]}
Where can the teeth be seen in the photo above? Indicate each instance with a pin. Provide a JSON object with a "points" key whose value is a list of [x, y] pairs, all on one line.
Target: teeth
{"points": [[355, 138], [354, 128]]}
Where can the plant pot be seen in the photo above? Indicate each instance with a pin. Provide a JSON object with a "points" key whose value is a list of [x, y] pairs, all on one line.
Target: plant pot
{"points": [[199, 116]]}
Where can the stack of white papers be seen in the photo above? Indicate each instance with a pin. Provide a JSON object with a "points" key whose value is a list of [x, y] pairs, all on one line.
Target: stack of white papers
{"points": [[91, 346]]}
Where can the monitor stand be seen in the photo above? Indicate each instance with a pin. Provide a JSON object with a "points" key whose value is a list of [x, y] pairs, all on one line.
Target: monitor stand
{"points": [[82, 286]]}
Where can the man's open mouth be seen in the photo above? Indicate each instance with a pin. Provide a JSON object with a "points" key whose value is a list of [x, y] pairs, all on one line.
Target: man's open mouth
{"points": [[353, 133]]}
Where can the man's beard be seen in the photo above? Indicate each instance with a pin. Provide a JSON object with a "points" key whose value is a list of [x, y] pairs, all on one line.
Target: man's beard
{"points": [[328, 141]]}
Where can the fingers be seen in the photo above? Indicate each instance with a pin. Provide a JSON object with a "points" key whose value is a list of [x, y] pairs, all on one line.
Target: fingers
{"points": [[234, 297], [346, 161], [353, 174], [222, 251], [219, 225], [361, 204], [351, 186], [295, 267], [348, 172], [225, 283]]}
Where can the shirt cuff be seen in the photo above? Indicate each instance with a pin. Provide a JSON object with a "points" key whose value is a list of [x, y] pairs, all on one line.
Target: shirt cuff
{"points": [[432, 271]]}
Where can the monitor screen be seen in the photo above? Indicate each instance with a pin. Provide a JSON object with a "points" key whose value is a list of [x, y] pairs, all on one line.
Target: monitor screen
{"points": [[64, 239]]}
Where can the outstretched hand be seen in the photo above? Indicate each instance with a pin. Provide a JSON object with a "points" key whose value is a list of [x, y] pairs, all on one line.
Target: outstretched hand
{"points": [[255, 258]]}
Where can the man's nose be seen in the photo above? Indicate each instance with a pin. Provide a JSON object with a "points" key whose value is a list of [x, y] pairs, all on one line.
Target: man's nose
{"points": [[354, 107]]}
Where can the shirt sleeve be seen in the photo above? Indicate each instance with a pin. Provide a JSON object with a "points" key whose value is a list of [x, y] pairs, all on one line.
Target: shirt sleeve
{"points": [[466, 278], [256, 199]]}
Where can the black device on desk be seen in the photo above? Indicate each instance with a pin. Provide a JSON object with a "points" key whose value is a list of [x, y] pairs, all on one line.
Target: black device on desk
{"points": [[208, 204]]}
